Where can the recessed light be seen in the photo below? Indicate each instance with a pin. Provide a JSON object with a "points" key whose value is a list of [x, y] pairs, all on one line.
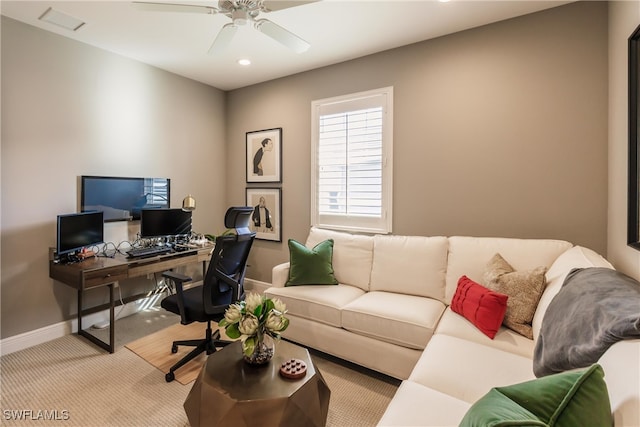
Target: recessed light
{"points": [[244, 62], [61, 19]]}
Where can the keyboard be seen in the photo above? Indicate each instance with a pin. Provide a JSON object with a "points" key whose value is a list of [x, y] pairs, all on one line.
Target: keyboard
{"points": [[148, 251]]}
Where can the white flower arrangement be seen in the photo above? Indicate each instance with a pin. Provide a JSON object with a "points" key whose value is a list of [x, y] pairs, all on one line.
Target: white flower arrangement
{"points": [[252, 319]]}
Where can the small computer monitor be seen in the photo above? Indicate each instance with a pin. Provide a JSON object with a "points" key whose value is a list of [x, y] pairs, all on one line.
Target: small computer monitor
{"points": [[79, 230], [164, 222]]}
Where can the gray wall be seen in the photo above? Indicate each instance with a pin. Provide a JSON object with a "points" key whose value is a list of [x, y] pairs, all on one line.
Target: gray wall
{"points": [[498, 131], [69, 109]]}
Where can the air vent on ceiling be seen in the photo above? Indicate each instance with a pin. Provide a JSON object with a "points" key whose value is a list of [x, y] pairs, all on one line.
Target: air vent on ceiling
{"points": [[61, 19]]}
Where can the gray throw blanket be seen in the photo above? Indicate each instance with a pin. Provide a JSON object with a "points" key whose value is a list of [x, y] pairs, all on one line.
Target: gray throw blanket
{"points": [[595, 308]]}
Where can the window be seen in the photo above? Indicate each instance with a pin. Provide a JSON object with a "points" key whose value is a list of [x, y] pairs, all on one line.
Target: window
{"points": [[351, 162]]}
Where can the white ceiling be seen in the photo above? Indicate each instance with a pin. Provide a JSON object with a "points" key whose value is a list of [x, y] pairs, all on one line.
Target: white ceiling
{"points": [[338, 30]]}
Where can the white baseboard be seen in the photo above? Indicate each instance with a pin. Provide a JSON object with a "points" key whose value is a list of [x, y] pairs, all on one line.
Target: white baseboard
{"points": [[58, 330], [31, 338]]}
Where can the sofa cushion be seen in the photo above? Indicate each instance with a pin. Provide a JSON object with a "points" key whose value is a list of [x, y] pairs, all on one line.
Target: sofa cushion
{"points": [[481, 306], [321, 303], [469, 256], [399, 319], [352, 255], [524, 289], [467, 370], [576, 257], [411, 265], [621, 364], [506, 339], [575, 398], [417, 405], [311, 266]]}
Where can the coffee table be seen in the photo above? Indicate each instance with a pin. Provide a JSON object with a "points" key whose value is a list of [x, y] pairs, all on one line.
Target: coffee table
{"points": [[230, 392]]}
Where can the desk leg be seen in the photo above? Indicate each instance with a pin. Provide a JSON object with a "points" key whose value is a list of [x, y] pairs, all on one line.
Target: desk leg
{"points": [[112, 321], [110, 347], [79, 310]]}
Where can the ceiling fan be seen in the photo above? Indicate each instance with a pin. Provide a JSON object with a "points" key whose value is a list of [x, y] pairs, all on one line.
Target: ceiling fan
{"points": [[241, 12]]}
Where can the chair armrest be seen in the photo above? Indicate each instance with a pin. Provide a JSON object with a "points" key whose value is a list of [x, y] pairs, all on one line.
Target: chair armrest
{"points": [[280, 275], [178, 279]]}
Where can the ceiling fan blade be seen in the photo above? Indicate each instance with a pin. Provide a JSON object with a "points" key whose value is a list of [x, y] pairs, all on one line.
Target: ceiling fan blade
{"points": [[273, 5], [172, 7], [282, 36], [223, 38]]}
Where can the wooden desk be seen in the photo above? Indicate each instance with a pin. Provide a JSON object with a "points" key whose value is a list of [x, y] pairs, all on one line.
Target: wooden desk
{"points": [[103, 271]]}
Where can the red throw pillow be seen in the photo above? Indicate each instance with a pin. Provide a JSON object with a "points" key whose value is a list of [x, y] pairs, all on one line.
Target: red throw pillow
{"points": [[481, 306]]}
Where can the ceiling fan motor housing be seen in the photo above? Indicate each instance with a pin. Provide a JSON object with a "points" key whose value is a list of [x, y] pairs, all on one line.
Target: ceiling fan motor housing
{"points": [[240, 11], [253, 7]]}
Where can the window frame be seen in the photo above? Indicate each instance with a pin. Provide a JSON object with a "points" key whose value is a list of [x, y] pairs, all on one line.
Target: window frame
{"points": [[345, 222]]}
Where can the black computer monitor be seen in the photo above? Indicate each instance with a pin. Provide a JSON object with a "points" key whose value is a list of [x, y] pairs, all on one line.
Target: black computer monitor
{"points": [[164, 222], [79, 230]]}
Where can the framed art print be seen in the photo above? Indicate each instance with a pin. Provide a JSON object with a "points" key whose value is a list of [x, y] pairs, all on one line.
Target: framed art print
{"points": [[266, 219], [264, 155]]}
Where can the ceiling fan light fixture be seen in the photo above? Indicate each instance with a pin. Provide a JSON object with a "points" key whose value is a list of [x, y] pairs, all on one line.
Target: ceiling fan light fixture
{"points": [[240, 17]]}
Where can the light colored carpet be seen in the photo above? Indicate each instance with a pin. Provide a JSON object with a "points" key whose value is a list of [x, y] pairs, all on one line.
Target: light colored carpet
{"points": [[71, 382], [70, 377]]}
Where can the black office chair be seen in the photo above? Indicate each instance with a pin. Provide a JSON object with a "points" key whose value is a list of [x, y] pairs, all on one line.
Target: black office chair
{"points": [[222, 286]]}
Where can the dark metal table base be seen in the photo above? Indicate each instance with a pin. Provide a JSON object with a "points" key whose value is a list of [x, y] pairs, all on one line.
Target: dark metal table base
{"points": [[230, 392]]}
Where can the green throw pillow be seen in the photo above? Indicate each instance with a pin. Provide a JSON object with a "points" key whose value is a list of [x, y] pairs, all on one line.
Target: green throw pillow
{"points": [[568, 399], [311, 266]]}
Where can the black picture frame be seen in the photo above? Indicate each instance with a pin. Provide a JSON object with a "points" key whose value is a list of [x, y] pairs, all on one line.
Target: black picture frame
{"points": [[633, 199], [267, 223], [264, 156]]}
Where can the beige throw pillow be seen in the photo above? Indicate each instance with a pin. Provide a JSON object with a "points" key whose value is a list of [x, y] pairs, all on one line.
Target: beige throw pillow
{"points": [[524, 289]]}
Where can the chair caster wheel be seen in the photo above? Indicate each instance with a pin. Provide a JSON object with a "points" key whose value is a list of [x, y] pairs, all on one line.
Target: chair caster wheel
{"points": [[170, 377], [174, 349]]}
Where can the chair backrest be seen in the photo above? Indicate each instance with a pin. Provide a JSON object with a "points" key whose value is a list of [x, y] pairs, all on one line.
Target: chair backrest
{"points": [[224, 280], [239, 218]]}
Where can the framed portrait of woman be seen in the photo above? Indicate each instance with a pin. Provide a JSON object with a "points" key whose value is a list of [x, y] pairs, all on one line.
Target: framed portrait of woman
{"points": [[266, 219], [264, 155]]}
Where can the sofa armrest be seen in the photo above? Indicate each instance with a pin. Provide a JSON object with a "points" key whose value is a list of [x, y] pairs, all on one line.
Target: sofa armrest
{"points": [[280, 275]]}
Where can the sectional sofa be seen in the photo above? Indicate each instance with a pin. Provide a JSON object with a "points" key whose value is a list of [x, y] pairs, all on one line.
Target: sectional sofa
{"points": [[391, 311]]}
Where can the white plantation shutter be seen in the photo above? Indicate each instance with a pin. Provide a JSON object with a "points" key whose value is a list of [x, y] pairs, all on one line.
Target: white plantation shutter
{"points": [[351, 162]]}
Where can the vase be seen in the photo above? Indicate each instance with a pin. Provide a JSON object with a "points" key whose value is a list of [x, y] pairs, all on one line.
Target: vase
{"points": [[263, 351]]}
